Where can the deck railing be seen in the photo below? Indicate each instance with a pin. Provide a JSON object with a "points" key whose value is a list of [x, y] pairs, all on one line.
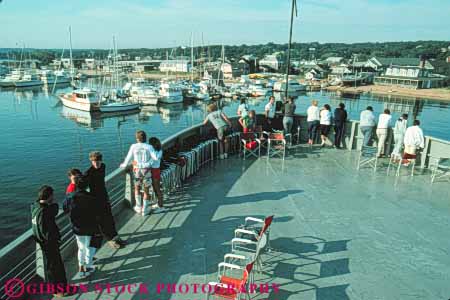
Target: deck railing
{"points": [[22, 259]]}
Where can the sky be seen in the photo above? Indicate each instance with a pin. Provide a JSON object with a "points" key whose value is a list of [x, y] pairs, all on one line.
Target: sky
{"points": [[168, 23]]}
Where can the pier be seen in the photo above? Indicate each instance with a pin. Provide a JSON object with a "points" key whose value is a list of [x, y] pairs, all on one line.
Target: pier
{"points": [[338, 233]]}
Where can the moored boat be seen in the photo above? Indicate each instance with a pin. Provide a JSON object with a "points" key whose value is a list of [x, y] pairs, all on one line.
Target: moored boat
{"points": [[83, 99], [27, 80]]}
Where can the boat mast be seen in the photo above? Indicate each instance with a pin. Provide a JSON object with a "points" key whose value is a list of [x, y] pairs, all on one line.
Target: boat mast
{"points": [[288, 65], [71, 58], [192, 56]]}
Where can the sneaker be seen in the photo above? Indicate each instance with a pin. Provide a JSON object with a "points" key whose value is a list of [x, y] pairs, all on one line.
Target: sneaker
{"points": [[138, 209], [221, 156], [155, 206], [159, 210], [225, 155], [121, 242], [113, 244]]}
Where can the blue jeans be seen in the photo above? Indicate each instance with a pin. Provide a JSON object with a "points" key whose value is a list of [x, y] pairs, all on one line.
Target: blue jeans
{"points": [[287, 124], [312, 129], [367, 132]]}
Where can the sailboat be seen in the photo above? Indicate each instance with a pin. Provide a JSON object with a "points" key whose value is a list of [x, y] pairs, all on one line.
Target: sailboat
{"points": [[114, 100]]}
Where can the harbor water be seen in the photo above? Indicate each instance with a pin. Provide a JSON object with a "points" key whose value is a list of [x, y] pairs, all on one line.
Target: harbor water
{"points": [[41, 139]]}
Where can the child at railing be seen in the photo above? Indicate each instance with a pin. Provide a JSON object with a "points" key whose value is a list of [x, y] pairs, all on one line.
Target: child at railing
{"points": [[46, 234], [72, 174], [95, 176], [156, 174], [84, 213], [248, 122], [141, 154]]}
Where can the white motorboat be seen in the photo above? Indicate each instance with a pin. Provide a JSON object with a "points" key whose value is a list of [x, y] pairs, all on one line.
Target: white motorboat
{"points": [[10, 79], [83, 99], [293, 86], [170, 93], [27, 80], [140, 91]]}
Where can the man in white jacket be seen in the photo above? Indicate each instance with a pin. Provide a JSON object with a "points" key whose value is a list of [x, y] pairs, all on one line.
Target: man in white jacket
{"points": [[413, 140], [142, 156]]}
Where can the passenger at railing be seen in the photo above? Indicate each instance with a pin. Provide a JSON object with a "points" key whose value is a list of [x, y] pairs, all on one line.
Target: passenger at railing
{"points": [[399, 135], [72, 174], [366, 124], [384, 123], [414, 141], [325, 125], [97, 186], [46, 234], [248, 123], [141, 154], [242, 110], [288, 119], [84, 213], [313, 119], [223, 126], [269, 113], [340, 117], [156, 174]]}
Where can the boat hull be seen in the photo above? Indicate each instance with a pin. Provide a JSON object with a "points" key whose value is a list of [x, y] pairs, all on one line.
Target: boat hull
{"points": [[118, 108], [6, 83], [84, 106], [171, 99], [28, 83]]}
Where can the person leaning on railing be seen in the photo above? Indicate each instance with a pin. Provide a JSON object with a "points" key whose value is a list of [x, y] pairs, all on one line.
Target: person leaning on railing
{"points": [[223, 126], [384, 123], [366, 124], [288, 118], [46, 233], [414, 141], [95, 176], [313, 120]]}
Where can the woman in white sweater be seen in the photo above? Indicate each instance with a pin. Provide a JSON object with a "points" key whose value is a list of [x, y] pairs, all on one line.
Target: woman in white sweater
{"points": [[325, 124]]}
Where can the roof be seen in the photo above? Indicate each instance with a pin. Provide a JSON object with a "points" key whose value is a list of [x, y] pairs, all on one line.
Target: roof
{"points": [[399, 61]]}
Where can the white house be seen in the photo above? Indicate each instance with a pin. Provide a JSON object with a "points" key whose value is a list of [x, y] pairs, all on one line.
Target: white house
{"points": [[272, 61], [179, 65]]}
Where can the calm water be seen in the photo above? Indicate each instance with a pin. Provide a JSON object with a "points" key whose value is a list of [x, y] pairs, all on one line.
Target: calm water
{"points": [[41, 140]]}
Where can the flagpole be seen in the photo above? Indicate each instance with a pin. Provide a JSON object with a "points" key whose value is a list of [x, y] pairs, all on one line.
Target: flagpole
{"points": [[288, 65]]}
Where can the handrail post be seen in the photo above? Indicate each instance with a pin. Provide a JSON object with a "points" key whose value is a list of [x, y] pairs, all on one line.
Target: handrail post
{"points": [[129, 194], [40, 268]]}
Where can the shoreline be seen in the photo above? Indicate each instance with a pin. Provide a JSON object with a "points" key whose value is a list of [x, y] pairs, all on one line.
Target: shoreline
{"points": [[432, 94]]}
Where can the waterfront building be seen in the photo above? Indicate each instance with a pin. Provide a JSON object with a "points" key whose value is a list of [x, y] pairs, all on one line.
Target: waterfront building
{"points": [[415, 77], [337, 72], [179, 65], [315, 73], [271, 62], [380, 64]]}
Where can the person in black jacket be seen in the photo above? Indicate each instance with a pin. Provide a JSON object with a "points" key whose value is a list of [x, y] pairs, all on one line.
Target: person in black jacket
{"points": [[96, 180], [340, 117], [84, 213], [46, 234]]}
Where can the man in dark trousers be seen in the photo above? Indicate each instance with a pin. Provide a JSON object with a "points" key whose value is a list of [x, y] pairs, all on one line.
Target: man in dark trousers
{"points": [[96, 179], [46, 234], [340, 117]]}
